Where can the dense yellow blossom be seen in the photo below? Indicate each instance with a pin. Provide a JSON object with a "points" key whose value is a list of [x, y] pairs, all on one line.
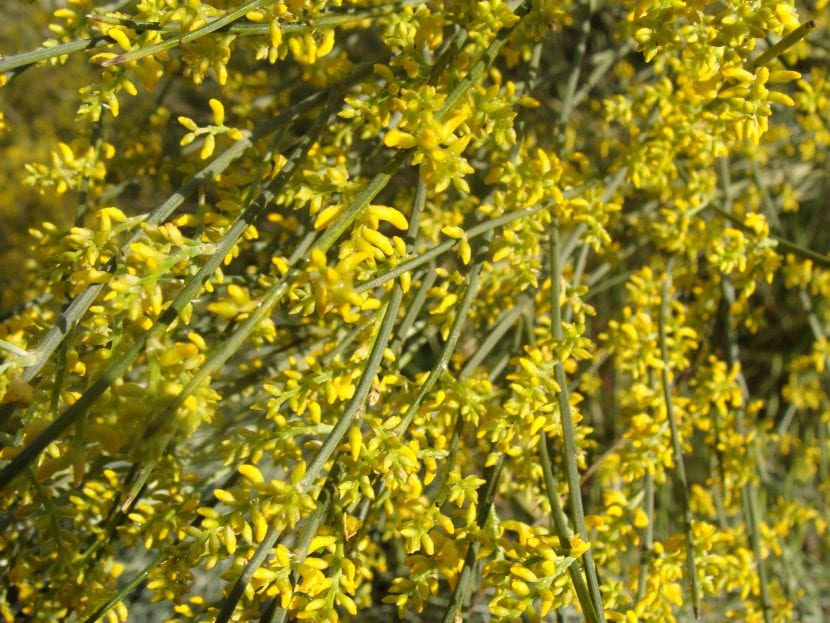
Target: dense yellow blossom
{"points": [[456, 310]]}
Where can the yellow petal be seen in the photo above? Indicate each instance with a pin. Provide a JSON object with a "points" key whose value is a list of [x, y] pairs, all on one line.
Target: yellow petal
{"points": [[326, 216], [377, 239], [355, 442], [218, 111], [298, 472], [224, 496], [783, 75], [120, 37], [252, 473], [738, 73], [390, 215], [401, 140], [453, 231], [208, 147], [275, 33], [465, 252], [780, 98], [326, 44]]}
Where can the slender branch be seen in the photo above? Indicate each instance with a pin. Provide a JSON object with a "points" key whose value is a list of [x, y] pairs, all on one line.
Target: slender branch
{"points": [[563, 530], [749, 490], [568, 100], [787, 41], [781, 243], [120, 365], [647, 545], [81, 303], [464, 583], [447, 245], [278, 614], [568, 430], [25, 59], [193, 35], [682, 488], [329, 445]]}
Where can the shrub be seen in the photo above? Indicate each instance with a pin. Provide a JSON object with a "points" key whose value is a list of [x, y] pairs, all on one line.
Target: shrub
{"points": [[454, 310]]}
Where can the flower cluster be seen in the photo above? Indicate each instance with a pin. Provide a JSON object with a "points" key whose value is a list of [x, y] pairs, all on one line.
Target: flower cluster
{"points": [[461, 310]]}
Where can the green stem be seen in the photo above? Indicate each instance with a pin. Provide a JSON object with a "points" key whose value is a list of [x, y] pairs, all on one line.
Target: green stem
{"points": [[218, 356], [412, 311], [54, 516], [412, 232], [465, 579], [275, 613], [81, 303], [207, 499], [362, 201], [489, 225], [782, 243], [450, 462], [324, 454], [121, 364], [25, 59], [766, 200], [568, 429], [225, 24], [448, 349], [749, 490], [210, 27], [439, 249], [819, 334], [125, 590], [682, 488], [258, 29], [787, 41], [602, 67], [648, 539], [576, 69], [343, 424], [564, 532], [494, 337], [477, 71]]}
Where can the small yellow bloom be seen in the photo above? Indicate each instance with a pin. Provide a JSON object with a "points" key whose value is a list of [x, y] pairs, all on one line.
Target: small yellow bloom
{"points": [[399, 139], [275, 33], [298, 472], [347, 603], [120, 37], [524, 573], [252, 473], [465, 251], [780, 98], [390, 215], [327, 44], [224, 496], [218, 111], [321, 541], [783, 75], [378, 240], [208, 147], [355, 442], [317, 258], [327, 215], [259, 524], [453, 231], [738, 73]]}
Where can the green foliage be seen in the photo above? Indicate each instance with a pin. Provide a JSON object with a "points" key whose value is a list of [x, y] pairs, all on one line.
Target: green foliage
{"points": [[457, 310]]}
